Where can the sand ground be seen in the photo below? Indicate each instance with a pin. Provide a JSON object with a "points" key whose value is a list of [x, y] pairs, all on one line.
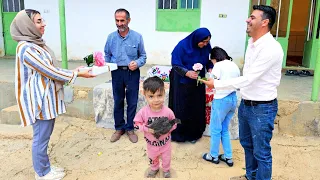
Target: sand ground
{"points": [[87, 154]]}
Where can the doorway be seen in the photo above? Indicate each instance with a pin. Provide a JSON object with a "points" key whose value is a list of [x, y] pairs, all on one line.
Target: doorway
{"points": [[304, 35], [281, 28], [298, 32], [312, 36]]}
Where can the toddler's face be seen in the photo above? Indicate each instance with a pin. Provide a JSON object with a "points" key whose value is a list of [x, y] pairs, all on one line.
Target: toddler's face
{"points": [[155, 100]]}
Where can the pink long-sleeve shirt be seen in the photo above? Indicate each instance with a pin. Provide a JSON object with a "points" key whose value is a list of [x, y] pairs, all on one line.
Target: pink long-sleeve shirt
{"points": [[146, 116]]}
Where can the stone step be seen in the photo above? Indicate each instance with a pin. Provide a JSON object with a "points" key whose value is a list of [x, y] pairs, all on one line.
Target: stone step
{"points": [[10, 115]]}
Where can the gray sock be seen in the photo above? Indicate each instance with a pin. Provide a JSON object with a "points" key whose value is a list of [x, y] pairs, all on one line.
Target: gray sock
{"points": [[229, 159], [211, 158]]}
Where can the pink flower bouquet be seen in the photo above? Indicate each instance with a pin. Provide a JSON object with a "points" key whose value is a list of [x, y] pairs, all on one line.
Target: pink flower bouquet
{"points": [[198, 67], [96, 59], [97, 64]]}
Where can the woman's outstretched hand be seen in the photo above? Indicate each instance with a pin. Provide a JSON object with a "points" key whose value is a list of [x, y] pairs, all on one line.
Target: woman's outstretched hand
{"points": [[86, 74]]}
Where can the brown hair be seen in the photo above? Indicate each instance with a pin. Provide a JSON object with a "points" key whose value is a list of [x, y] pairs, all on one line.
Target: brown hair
{"points": [[153, 84], [31, 13]]}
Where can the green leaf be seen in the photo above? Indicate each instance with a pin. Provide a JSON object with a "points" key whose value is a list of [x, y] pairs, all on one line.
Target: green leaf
{"points": [[89, 60], [204, 78]]}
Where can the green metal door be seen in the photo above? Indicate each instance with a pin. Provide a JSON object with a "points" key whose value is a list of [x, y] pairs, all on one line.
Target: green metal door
{"points": [[9, 44], [10, 8], [312, 38], [281, 28]]}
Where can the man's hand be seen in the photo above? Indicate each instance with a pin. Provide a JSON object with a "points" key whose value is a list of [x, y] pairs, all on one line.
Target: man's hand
{"points": [[133, 65], [208, 82], [192, 74], [86, 74]]}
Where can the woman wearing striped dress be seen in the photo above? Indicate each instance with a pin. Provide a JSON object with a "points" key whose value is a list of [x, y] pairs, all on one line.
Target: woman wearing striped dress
{"points": [[39, 87]]}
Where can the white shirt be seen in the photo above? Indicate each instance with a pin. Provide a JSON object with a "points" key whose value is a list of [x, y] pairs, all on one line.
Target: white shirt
{"points": [[224, 70], [261, 72]]}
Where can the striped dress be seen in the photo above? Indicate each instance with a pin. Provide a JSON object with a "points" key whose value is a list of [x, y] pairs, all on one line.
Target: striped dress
{"points": [[35, 84]]}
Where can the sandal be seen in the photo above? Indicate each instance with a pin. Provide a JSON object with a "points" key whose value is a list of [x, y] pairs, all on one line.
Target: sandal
{"points": [[208, 157], [167, 174], [228, 161], [152, 173], [292, 73]]}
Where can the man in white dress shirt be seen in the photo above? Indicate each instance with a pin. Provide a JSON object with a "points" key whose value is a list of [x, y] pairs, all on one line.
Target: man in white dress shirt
{"points": [[258, 88]]}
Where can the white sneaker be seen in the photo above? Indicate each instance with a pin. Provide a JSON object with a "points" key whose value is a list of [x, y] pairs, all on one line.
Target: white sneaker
{"points": [[52, 175], [57, 169]]}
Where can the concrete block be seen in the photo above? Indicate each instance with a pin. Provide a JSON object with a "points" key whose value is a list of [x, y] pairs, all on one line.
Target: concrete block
{"points": [[10, 115], [68, 94], [103, 103], [299, 118], [81, 109], [82, 94], [79, 102], [7, 95]]}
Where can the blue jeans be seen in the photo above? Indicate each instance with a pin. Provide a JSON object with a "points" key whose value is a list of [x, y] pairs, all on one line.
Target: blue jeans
{"points": [[222, 111], [256, 124], [125, 84], [42, 130]]}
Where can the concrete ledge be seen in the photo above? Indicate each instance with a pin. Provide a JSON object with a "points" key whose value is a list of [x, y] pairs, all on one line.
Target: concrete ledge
{"points": [[10, 115], [299, 118], [79, 102], [7, 95], [293, 118]]}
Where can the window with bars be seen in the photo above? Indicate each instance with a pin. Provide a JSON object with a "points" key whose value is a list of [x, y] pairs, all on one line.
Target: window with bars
{"points": [[13, 5], [172, 4], [191, 4], [167, 4], [178, 15]]}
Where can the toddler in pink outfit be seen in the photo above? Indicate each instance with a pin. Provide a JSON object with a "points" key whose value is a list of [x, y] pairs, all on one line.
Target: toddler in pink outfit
{"points": [[154, 92]]}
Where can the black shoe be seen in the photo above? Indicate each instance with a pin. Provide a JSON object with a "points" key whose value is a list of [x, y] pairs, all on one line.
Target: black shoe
{"points": [[292, 73], [305, 73], [228, 161], [208, 157]]}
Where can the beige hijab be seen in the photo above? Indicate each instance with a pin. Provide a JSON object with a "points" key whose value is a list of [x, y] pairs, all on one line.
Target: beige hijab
{"points": [[23, 29]]}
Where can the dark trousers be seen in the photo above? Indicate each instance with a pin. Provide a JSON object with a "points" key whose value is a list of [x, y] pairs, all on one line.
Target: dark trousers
{"points": [[256, 124], [125, 84]]}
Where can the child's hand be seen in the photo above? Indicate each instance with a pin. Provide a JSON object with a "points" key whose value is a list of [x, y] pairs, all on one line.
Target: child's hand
{"points": [[208, 82], [150, 130]]}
